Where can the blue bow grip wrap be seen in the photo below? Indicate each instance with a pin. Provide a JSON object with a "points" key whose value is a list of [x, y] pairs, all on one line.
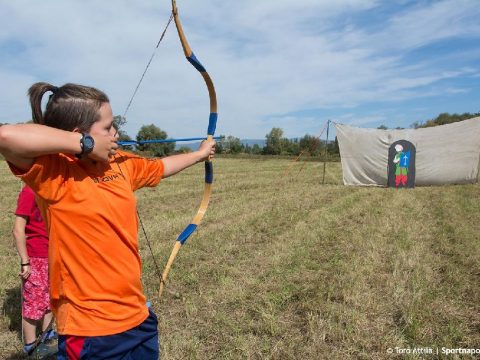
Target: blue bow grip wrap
{"points": [[208, 172], [212, 123], [186, 233], [192, 59]]}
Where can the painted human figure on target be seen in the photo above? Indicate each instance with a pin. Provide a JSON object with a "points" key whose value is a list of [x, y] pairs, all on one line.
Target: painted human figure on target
{"points": [[401, 169], [402, 162]]}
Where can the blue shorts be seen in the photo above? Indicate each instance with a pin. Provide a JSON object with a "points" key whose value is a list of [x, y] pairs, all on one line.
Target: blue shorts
{"points": [[141, 342]]}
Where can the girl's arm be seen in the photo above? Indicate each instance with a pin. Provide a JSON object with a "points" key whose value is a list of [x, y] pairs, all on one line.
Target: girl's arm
{"points": [[21, 144], [176, 163], [21, 244]]}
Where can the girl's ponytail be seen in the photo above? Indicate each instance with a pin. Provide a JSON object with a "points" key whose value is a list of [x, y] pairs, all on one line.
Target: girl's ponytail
{"points": [[36, 93]]}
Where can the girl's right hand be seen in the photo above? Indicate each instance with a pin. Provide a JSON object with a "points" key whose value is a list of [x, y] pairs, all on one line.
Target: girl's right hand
{"points": [[104, 148]]}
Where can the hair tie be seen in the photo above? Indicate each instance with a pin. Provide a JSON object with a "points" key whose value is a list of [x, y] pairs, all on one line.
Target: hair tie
{"points": [[54, 89]]}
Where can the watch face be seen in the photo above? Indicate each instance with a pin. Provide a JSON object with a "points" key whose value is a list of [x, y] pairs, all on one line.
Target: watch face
{"points": [[88, 144]]}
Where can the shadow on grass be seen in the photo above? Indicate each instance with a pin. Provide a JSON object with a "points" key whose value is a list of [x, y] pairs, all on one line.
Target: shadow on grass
{"points": [[22, 356], [12, 308]]}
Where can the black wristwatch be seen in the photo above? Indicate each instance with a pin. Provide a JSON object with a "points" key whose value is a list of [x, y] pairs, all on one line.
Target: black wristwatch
{"points": [[86, 143]]}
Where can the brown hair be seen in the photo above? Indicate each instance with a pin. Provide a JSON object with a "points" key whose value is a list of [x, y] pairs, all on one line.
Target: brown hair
{"points": [[70, 106]]}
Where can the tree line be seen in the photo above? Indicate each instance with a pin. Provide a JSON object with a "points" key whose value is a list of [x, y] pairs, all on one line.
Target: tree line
{"points": [[275, 143], [442, 119]]}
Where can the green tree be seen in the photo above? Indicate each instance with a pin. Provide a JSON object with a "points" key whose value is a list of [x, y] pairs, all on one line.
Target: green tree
{"points": [[444, 118], [256, 149], [290, 147], [233, 145], [310, 144], [274, 142], [382, 127], [152, 132], [416, 125], [220, 147], [118, 122]]}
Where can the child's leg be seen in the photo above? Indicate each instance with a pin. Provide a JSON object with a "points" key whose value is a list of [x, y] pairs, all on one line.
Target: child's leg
{"points": [[44, 299], [47, 319], [49, 333], [29, 327], [35, 302]]}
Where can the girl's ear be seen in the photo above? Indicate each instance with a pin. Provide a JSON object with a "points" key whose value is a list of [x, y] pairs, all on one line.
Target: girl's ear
{"points": [[76, 130]]}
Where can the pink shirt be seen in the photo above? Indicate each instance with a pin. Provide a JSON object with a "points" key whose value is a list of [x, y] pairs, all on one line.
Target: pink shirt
{"points": [[37, 238]]}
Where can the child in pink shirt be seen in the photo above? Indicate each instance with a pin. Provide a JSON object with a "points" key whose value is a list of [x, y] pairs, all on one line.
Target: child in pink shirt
{"points": [[31, 240]]}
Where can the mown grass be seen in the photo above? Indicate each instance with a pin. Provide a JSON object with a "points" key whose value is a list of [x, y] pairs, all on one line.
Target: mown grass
{"points": [[284, 267]]}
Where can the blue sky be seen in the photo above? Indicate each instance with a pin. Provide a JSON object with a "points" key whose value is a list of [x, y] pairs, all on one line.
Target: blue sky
{"points": [[292, 64]]}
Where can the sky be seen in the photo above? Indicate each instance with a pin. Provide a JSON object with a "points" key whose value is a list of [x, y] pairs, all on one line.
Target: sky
{"points": [[292, 64]]}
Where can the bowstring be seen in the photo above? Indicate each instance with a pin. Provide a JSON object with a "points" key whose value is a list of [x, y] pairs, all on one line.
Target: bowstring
{"points": [[148, 64], [157, 268]]}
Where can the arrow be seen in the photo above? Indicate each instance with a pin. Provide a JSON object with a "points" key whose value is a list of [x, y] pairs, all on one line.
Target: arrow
{"points": [[142, 142]]}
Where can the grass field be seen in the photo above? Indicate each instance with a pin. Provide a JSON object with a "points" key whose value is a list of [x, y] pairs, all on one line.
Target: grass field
{"points": [[284, 267]]}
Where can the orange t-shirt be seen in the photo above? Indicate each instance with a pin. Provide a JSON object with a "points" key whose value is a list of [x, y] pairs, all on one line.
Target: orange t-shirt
{"points": [[94, 263]]}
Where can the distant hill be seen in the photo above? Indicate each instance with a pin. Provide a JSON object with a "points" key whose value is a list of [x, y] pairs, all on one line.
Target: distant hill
{"points": [[251, 142]]}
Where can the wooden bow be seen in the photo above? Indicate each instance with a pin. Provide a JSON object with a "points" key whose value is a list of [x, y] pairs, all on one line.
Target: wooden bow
{"points": [[212, 122]]}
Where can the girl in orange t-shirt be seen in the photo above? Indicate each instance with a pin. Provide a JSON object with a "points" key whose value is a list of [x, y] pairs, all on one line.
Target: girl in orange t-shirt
{"points": [[85, 190]]}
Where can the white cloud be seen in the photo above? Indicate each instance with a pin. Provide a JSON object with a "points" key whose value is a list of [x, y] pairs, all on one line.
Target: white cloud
{"points": [[268, 59]]}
